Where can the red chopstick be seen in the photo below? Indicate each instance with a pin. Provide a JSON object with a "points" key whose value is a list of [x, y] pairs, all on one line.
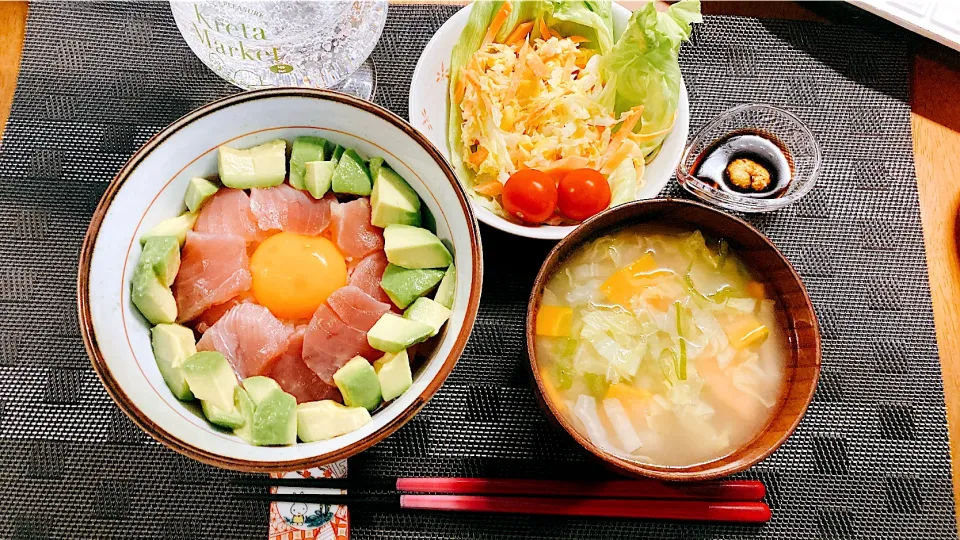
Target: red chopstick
{"points": [[725, 490], [682, 510]]}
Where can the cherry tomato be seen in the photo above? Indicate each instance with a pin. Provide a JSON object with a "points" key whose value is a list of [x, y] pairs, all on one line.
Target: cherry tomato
{"points": [[583, 193], [530, 195]]}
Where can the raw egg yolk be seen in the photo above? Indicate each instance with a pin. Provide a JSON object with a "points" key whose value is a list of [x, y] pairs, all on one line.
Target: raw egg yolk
{"points": [[293, 274]]}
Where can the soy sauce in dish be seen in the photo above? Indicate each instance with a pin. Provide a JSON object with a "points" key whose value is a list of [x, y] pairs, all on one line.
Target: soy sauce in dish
{"points": [[747, 162]]}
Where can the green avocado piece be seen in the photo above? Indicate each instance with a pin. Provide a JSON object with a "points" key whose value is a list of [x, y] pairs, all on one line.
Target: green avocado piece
{"points": [[162, 255], [428, 312], [275, 420], [305, 149], [447, 288], [373, 165], [351, 175], [211, 378], [258, 167], [393, 200], [259, 387], [177, 227], [232, 418], [358, 384], [322, 420], [404, 285], [392, 333], [247, 408], [318, 177], [172, 345], [338, 152], [414, 247], [154, 301], [393, 370], [198, 191]]}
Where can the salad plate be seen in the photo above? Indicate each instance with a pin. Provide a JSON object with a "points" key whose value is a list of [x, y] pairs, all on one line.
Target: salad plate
{"points": [[430, 108]]}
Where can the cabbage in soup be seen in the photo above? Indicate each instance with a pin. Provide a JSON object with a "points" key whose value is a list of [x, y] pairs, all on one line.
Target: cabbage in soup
{"points": [[660, 346]]}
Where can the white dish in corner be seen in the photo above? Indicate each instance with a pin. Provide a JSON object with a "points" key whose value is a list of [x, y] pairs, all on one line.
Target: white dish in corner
{"points": [[428, 113]]}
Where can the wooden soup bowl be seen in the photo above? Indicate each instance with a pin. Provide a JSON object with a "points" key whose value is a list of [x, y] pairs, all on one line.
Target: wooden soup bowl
{"points": [[794, 310]]}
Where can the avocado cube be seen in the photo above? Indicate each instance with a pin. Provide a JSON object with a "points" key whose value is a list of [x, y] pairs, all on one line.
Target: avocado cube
{"points": [[318, 177], [393, 370], [373, 165], [305, 149], [258, 167], [413, 247], [428, 312], [404, 285], [322, 420], [162, 255], [211, 378], [172, 345], [275, 420], [198, 191], [177, 227], [392, 333], [427, 221], [154, 301], [259, 387], [358, 384], [247, 408], [351, 175], [393, 200], [447, 288], [338, 152], [232, 418]]}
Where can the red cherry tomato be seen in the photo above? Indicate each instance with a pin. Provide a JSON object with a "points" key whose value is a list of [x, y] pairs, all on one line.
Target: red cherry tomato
{"points": [[583, 193], [530, 195]]}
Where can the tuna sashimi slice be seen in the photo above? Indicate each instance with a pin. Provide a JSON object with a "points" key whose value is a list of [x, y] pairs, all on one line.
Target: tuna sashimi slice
{"points": [[228, 212], [250, 337], [213, 269], [368, 274], [288, 209], [356, 308], [212, 314], [296, 378], [329, 343], [352, 231]]}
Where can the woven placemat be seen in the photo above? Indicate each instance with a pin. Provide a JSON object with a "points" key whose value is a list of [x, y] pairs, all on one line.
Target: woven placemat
{"points": [[870, 460]]}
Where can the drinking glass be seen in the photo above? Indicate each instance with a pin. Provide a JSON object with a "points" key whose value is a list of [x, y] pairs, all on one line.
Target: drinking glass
{"points": [[306, 43]]}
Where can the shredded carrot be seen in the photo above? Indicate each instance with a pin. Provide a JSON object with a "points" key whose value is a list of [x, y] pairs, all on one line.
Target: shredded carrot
{"points": [[558, 169], [544, 31], [477, 157], [460, 89], [497, 23], [519, 33], [641, 137], [490, 188], [578, 39], [626, 127], [611, 162], [537, 66], [518, 70]]}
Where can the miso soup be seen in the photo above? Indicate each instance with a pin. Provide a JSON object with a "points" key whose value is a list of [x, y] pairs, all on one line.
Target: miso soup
{"points": [[661, 346]]}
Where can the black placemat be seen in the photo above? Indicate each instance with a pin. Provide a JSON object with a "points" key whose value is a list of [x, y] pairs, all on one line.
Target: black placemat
{"points": [[870, 460]]}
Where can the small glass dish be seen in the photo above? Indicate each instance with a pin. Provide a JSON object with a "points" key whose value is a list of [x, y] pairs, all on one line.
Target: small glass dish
{"points": [[801, 149]]}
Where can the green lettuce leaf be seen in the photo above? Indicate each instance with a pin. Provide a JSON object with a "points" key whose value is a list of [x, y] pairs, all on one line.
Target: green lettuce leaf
{"points": [[644, 69]]}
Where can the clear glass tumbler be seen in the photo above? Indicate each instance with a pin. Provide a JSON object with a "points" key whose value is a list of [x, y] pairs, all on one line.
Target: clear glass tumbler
{"points": [[306, 43]]}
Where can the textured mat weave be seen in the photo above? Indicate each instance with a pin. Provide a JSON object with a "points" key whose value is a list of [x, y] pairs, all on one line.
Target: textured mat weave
{"points": [[870, 460]]}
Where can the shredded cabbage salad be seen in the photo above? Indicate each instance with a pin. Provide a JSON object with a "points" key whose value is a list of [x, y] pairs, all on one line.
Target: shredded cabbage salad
{"points": [[545, 84]]}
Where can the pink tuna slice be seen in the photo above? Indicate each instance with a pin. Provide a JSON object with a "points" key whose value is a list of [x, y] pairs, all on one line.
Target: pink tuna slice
{"points": [[329, 343], [228, 212], [352, 231], [356, 308], [296, 378], [250, 337], [368, 273], [288, 209], [213, 269]]}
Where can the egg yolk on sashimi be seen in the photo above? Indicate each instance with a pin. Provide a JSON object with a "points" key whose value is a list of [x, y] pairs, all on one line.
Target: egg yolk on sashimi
{"points": [[293, 274]]}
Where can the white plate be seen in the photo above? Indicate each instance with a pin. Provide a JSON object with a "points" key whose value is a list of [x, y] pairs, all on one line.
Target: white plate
{"points": [[428, 113]]}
